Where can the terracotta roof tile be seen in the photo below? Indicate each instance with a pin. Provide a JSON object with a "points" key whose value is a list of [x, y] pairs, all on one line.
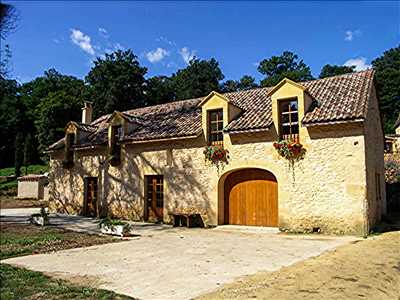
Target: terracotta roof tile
{"points": [[340, 98]]}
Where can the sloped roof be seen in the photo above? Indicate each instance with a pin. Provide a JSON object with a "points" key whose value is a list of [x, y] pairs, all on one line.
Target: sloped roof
{"points": [[342, 98]]}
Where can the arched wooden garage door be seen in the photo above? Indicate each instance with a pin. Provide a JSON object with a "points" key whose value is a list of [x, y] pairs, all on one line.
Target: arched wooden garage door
{"points": [[251, 198]]}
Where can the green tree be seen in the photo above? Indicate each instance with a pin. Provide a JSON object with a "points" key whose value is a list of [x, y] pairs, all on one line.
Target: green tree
{"points": [[29, 150], [159, 89], [19, 153], [333, 70], [50, 101], [8, 23], [12, 113], [198, 79], [229, 86], [53, 113], [287, 65], [246, 83], [116, 82], [387, 79]]}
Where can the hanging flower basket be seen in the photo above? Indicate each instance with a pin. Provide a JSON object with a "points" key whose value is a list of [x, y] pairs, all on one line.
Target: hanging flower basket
{"points": [[292, 151], [216, 155]]}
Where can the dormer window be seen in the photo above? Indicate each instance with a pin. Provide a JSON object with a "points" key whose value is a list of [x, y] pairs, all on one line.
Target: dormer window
{"points": [[115, 147], [69, 152], [289, 120], [215, 127]]}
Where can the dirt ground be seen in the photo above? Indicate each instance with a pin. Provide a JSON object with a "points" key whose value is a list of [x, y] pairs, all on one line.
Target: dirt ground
{"points": [[25, 239], [7, 201], [367, 269]]}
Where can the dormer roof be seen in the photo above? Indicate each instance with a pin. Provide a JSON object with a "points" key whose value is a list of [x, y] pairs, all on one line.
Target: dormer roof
{"points": [[340, 99]]}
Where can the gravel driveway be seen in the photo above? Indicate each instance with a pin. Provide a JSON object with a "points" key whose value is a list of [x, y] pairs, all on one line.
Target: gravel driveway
{"points": [[179, 263]]}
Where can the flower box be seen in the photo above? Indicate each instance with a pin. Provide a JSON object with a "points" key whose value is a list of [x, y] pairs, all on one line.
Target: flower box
{"points": [[216, 155], [41, 218], [115, 227], [38, 219]]}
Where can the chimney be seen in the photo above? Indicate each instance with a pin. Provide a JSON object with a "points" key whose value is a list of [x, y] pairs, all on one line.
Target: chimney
{"points": [[87, 112]]}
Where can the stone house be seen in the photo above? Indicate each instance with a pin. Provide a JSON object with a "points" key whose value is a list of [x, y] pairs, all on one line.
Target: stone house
{"points": [[147, 163]]}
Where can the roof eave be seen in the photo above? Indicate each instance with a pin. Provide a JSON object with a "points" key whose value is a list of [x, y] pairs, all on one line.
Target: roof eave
{"points": [[324, 123]]}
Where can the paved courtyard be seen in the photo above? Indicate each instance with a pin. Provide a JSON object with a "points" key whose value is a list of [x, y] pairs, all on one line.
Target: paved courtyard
{"points": [[172, 263]]}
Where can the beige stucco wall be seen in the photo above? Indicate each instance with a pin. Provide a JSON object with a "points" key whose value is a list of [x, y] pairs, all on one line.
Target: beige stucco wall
{"points": [[328, 190], [374, 150], [30, 190]]}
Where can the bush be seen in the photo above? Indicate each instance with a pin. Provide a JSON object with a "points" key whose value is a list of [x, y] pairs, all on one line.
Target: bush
{"points": [[392, 168]]}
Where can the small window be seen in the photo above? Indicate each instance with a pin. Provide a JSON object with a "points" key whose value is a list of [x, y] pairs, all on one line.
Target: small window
{"points": [[215, 127], [115, 147], [69, 151], [289, 120]]}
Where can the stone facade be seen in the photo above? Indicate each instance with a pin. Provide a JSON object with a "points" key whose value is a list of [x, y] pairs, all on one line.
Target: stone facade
{"points": [[338, 187], [327, 190]]}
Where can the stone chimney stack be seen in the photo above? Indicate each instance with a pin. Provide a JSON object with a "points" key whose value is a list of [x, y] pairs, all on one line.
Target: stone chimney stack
{"points": [[87, 113]]}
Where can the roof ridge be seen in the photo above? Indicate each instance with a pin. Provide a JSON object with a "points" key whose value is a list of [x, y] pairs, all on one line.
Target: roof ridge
{"points": [[130, 111]]}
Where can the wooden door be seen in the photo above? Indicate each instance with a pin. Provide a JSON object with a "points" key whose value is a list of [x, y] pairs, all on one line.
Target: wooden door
{"points": [[90, 209], [251, 198], [154, 198]]}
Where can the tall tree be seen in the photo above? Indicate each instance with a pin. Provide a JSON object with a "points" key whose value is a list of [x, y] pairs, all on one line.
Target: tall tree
{"points": [[29, 150], [246, 83], [12, 117], [387, 78], [8, 23], [333, 70], [19, 153], [50, 102], [229, 86], [159, 89], [116, 82], [198, 79], [287, 65], [8, 19]]}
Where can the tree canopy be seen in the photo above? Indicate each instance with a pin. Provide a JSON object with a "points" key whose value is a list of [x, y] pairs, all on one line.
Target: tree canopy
{"points": [[333, 70], [387, 78], [116, 82], [199, 78], [287, 65], [39, 110]]}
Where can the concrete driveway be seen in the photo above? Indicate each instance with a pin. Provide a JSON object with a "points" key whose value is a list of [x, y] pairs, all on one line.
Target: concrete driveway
{"points": [[179, 263]]}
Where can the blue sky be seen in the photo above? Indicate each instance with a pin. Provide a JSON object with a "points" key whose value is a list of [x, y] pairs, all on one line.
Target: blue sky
{"points": [[164, 35]]}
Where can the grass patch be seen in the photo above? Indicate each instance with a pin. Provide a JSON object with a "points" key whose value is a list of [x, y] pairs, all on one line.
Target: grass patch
{"points": [[19, 283], [25, 239], [32, 169], [11, 185]]}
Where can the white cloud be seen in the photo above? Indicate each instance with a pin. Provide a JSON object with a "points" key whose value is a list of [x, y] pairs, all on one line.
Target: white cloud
{"points": [[156, 55], [118, 46], [187, 54], [57, 41], [359, 62], [102, 30], [349, 35], [82, 40]]}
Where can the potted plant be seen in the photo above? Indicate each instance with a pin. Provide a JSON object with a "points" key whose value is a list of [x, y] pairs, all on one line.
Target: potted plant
{"points": [[293, 151], [41, 218], [216, 155], [115, 227]]}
